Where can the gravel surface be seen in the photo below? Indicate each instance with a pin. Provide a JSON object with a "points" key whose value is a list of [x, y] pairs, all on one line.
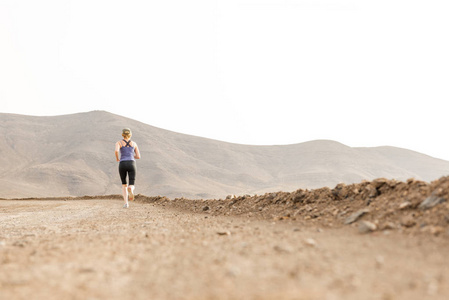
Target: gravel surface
{"points": [[95, 249]]}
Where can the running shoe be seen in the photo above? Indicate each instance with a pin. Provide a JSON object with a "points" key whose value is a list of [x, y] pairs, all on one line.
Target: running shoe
{"points": [[130, 194], [126, 205]]}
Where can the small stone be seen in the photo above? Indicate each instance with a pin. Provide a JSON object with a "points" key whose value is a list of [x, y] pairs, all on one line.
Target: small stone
{"points": [[365, 227], [355, 216], [388, 226], [206, 208], [408, 221], [430, 202], [86, 270], [308, 208], [380, 260], [411, 180], [282, 249], [224, 233], [310, 242], [233, 271], [19, 244], [405, 205], [372, 191], [435, 230], [379, 182]]}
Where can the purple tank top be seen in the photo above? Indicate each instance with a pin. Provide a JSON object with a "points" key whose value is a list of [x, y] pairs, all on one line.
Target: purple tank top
{"points": [[127, 152]]}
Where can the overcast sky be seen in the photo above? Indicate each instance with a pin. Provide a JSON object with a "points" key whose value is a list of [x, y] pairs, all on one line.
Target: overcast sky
{"points": [[364, 73]]}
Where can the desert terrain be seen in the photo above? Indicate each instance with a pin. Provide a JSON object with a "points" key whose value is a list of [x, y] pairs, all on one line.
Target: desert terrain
{"points": [[381, 239], [74, 154]]}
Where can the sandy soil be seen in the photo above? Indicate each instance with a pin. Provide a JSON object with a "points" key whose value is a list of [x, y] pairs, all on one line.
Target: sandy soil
{"points": [[159, 249]]}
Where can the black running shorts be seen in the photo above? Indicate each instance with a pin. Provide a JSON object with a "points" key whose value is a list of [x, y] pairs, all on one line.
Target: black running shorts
{"points": [[127, 168]]}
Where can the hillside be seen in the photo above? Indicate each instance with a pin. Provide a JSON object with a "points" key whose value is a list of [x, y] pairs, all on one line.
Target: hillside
{"points": [[72, 155]]}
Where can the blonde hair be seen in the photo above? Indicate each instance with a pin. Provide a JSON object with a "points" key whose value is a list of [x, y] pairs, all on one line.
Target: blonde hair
{"points": [[126, 133]]}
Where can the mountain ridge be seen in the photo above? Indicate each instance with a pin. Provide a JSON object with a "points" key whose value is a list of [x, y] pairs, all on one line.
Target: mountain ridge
{"points": [[72, 155]]}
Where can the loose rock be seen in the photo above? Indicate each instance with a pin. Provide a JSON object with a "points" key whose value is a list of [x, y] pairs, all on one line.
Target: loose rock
{"points": [[355, 216], [310, 242], [388, 226], [282, 249], [430, 202], [405, 205], [372, 191], [365, 227], [224, 233], [435, 230], [380, 260], [408, 221]]}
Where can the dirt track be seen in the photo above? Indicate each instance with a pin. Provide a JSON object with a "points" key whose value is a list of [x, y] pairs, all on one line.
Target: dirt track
{"points": [[94, 249]]}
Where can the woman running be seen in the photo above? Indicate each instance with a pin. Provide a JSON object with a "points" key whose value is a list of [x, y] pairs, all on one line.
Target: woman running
{"points": [[129, 152]]}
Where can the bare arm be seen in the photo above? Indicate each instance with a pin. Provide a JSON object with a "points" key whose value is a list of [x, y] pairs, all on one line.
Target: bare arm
{"points": [[117, 150], [136, 151]]}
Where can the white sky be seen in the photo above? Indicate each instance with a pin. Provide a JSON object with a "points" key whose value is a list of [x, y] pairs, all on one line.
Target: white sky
{"points": [[364, 73]]}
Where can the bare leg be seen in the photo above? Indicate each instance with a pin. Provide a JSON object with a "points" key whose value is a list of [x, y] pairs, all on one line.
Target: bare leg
{"points": [[125, 193], [131, 192]]}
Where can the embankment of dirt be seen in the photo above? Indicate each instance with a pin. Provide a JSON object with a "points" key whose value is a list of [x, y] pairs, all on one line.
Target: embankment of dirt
{"points": [[412, 207]]}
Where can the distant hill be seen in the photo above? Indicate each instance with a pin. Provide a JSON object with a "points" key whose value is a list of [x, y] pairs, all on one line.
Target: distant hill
{"points": [[73, 155]]}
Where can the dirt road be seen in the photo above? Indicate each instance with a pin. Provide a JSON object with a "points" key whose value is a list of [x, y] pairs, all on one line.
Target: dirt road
{"points": [[95, 249]]}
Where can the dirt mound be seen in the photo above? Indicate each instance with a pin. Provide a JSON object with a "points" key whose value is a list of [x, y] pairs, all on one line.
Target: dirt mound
{"points": [[411, 207]]}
